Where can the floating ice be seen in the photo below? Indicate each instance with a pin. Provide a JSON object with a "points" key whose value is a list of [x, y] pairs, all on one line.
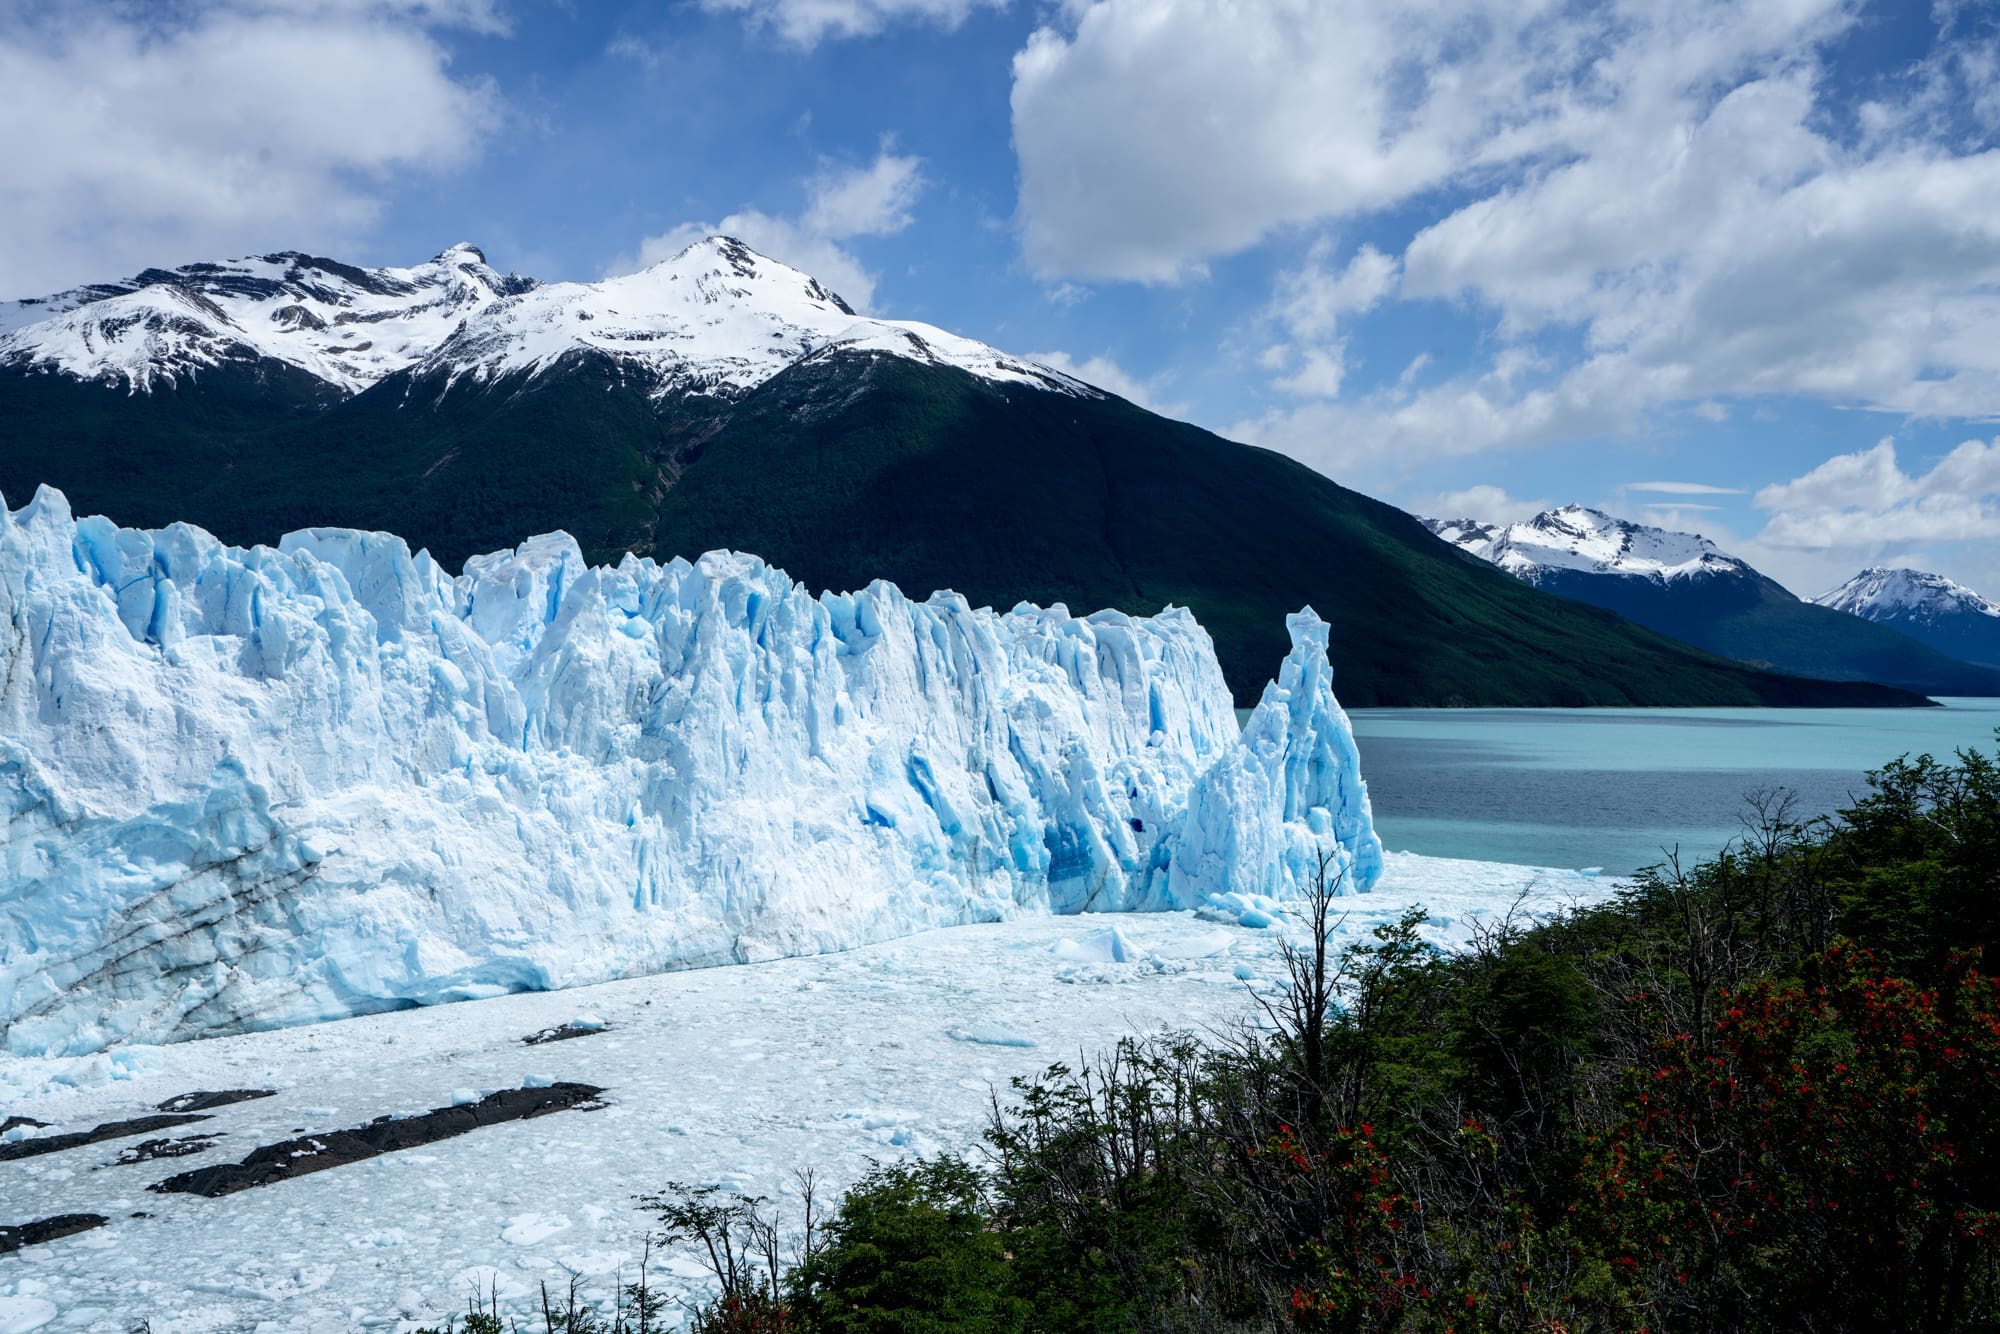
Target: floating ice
{"points": [[20, 1314], [1106, 946], [992, 1035], [253, 787]]}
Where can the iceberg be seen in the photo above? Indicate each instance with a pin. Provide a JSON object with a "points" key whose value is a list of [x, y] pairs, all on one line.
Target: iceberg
{"points": [[253, 787]]}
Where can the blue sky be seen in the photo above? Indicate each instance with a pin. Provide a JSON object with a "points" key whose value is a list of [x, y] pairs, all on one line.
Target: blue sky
{"points": [[1731, 267]]}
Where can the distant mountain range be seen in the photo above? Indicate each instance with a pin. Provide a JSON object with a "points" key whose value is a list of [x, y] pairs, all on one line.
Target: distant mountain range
{"points": [[1948, 616], [723, 399], [1681, 585]]}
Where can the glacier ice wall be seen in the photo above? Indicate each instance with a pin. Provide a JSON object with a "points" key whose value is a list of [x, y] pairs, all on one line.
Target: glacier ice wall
{"points": [[253, 787]]}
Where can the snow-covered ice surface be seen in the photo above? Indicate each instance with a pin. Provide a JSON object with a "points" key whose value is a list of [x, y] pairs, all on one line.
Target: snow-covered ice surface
{"points": [[1578, 538], [728, 1075], [249, 788]]}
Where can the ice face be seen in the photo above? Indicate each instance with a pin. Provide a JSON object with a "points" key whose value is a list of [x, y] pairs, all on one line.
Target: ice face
{"points": [[254, 787]]}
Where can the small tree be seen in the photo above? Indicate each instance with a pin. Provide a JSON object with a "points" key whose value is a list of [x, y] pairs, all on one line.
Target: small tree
{"points": [[737, 1238], [908, 1250]]}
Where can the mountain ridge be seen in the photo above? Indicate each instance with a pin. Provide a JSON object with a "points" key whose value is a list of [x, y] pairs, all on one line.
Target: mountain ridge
{"points": [[724, 400], [715, 317], [1928, 607], [1683, 585]]}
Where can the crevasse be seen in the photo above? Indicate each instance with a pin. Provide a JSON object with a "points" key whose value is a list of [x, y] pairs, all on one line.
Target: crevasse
{"points": [[253, 787]]}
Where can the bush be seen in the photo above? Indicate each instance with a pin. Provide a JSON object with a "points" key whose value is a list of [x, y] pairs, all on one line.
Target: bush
{"points": [[909, 1252]]}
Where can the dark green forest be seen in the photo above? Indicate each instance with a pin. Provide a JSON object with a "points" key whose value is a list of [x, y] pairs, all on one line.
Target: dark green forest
{"points": [[848, 468]]}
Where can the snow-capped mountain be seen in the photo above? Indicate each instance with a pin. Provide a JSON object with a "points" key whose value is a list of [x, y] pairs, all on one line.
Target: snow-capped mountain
{"points": [[717, 317], [1578, 538], [246, 788], [1682, 585], [1929, 607], [344, 325]]}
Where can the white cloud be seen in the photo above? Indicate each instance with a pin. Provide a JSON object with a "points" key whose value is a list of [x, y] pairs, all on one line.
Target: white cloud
{"points": [[841, 204], [1380, 438], [210, 133], [1653, 206], [1485, 502], [1154, 135], [807, 22], [1105, 373], [635, 49], [869, 201], [1319, 372], [1307, 308], [1866, 505], [1682, 488], [1311, 298]]}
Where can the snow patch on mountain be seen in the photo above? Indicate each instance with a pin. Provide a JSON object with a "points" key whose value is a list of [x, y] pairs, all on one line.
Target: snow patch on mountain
{"points": [[246, 788], [717, 317], [1881, 594], [1579, 538]]}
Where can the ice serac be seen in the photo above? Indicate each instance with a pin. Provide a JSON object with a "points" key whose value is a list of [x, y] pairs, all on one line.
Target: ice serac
{"points": [[254, 787], [1261, 818]]}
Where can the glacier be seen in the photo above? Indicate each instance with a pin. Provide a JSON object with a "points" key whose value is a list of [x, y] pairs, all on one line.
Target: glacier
{"points": [[247, 788]]}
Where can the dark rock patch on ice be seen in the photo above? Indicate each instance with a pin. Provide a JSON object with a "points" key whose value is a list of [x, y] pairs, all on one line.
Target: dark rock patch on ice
{"points": [[146, 1151], [385, 1134], [575, 1028], [76, 1139], [13, 1121], [203, 1101], [47, 1229]]}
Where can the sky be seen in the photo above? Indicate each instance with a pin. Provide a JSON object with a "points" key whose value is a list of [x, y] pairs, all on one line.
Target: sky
{"points": [[1732, 268]]}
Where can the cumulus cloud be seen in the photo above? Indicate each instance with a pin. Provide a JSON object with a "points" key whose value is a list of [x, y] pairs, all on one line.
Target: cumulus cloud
{"points": [[1307, 308], [215, 130], [842, 203], [868, 201], [1485, 503], [1156, 134], [1382, 437], [1642, 207], [1105, 373], [807, 22], [1867, 504]]}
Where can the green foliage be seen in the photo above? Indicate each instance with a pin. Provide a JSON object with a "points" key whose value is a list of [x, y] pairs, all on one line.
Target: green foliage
{"points": [[909, 1252], [1820, 1157]]}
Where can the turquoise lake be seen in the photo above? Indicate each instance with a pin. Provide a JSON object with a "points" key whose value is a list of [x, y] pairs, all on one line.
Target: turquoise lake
{"points": [[1614, 787]]}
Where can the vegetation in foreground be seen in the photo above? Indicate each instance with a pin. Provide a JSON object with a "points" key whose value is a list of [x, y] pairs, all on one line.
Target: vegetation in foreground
{"points": [[1757, 1094]]}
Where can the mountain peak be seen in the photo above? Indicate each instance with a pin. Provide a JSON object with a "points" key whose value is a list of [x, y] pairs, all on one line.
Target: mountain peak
{"points": [[1882, 593], [1578, 537]]}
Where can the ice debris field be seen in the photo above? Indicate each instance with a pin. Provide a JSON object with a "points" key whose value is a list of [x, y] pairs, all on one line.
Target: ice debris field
{"points": [[731, 1076]]}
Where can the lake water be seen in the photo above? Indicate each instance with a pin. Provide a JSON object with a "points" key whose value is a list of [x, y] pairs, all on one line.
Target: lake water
{"points": [[1613, 787]]}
